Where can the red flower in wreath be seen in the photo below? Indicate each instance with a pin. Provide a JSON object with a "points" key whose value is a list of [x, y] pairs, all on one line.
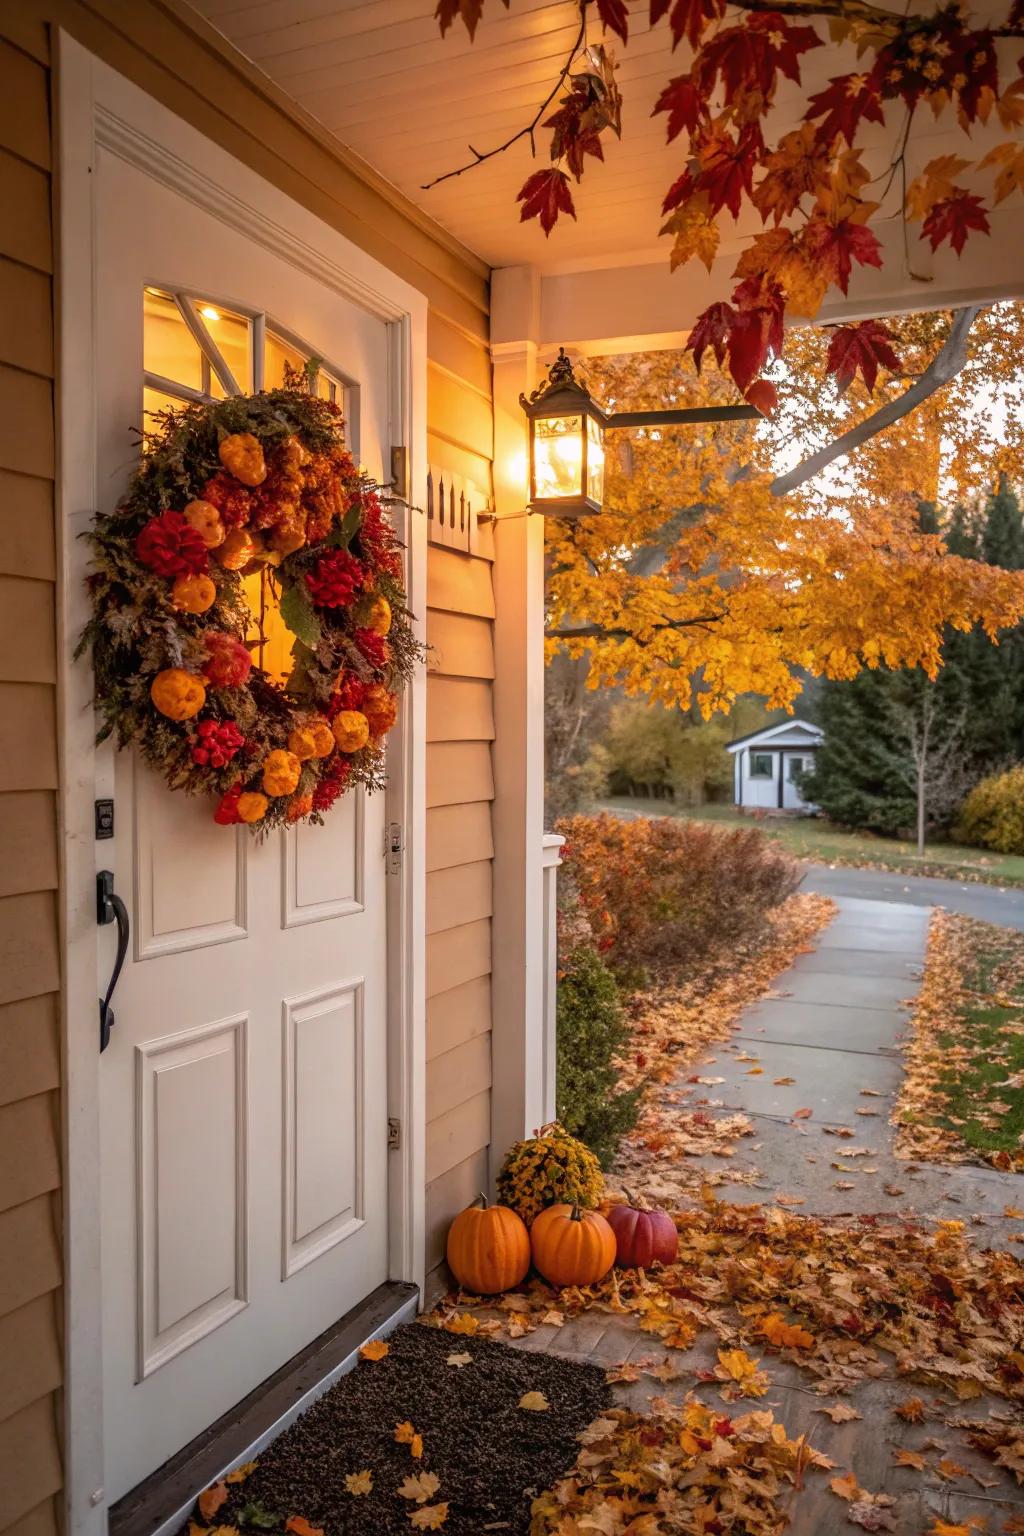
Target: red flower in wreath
{"points": [[336, 579], [171, 547], [229, 664], [373, 646], [217, 742], [349, 694], [332, 783], [226, 814]]}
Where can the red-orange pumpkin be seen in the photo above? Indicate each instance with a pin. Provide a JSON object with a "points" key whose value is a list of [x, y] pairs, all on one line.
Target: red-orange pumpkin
{"points": [[488, 1248], [642, 1237], [572, 1246]]}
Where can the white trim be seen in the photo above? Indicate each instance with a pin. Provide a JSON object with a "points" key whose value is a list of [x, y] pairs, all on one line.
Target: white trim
{"points": [[769, 734], [263, 213]]}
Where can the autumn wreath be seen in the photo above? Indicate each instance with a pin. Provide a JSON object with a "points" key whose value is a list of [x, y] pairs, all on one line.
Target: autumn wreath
{"points": [[255, 483]]}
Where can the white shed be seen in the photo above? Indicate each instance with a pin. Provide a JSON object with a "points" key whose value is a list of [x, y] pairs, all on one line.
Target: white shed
{"points": [[767, 765]]}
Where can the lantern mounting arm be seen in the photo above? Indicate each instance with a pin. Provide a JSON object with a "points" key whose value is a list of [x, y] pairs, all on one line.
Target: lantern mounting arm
{"points": [[693, 415]]}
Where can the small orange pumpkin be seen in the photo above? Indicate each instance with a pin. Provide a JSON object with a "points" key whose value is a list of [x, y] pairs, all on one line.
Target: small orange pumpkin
{"points": [[572, 1246], [488, 1248], [351, 730], [193, 594]]}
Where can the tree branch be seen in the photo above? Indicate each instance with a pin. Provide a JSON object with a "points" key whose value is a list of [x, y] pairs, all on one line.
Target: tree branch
{"points": [[488, 154], [614, 632], [946, 364]]}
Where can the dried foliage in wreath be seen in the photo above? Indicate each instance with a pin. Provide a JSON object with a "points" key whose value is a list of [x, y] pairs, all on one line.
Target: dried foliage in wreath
{"points": [[249, 484]]}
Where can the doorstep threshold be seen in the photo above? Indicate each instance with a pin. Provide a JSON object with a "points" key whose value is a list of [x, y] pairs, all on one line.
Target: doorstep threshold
{"points": [[161, 1504]]}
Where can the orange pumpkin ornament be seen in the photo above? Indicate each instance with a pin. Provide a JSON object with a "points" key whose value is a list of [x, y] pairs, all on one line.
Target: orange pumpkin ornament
{"points": [[379, 616], [313, 738], [242, 456], [572, 1246], [177, 694], [281, 773], [205, 519], [380, 708], [488, 1248], [351, 730], [193, 594], [238, 549]]}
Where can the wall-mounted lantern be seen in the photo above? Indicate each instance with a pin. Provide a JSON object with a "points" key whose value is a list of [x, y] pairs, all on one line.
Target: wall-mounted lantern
{"points": [[567, 429]]}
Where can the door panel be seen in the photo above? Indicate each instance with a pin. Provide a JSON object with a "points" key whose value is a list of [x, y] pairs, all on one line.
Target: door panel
{"points": [[243, 1094]]}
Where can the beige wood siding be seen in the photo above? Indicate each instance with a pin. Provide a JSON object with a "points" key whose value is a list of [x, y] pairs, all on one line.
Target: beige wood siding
{"points": [[460, 788], [153, 43], [30, 1136]]}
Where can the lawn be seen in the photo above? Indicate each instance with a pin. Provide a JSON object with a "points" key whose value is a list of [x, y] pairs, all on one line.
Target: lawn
{"points": [[812, 838], [964, 1090]]}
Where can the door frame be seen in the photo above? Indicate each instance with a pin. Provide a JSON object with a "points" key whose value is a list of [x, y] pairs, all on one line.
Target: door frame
{"points": [[93, 105]]}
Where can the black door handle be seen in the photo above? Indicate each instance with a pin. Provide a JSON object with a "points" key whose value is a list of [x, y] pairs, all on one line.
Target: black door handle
{"points": [[108, 907]]}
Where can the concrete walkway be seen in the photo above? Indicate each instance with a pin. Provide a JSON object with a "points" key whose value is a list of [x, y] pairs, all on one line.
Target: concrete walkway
{"points": [[827, 1039]]}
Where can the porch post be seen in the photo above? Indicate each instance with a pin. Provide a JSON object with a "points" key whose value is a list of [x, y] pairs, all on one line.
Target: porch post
{"points": [[518, 969]]}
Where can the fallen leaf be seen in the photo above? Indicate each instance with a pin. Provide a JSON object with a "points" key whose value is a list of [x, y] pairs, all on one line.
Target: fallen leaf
{"points": [[840, 1413], [948, 1468], [534, 1402], [459, 1360], [846, 1487], [911, 1411], [359, 1483], [240, 1474], [802, 1114], [871, 1515], [430, 1518], [783, 1082], [375, 1350], [905, 1458], [463, 1322], [421, 1487], [211, 1499], [406, 1435], [301, 1526]]}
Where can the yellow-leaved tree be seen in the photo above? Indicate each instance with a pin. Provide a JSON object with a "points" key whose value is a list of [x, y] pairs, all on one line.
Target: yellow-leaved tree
{"points": [[730, 557]]}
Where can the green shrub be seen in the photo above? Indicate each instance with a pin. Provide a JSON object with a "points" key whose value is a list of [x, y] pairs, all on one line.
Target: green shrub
{"points": [[591, 1032], [675, 892], [992, 816]]}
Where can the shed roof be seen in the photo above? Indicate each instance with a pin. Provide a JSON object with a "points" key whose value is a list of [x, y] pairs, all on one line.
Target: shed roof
{"points": [[787, 733]]}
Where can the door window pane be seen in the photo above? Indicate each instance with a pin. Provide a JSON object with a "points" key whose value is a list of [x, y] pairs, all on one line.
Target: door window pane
{"points": [[168, 346], [279, 353], [233, 336]]}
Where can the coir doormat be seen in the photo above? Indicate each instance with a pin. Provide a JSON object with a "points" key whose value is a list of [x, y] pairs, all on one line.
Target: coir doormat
{"points": [[443, 1432]]}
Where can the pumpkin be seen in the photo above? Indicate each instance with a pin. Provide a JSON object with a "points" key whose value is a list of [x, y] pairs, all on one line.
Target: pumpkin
{"points": [[488, 1248], [378, 617], [205, 519], [242, 456], [380, 708], [642, 1237], [281, 773], [193, 594], [572, 1246], [252, 807], [177, 694], [238, 548], [351, 730], [313, 739]]}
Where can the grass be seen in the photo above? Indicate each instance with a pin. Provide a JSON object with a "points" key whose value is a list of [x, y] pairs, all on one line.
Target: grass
{"points": [[985, 1043], [812, 838]]}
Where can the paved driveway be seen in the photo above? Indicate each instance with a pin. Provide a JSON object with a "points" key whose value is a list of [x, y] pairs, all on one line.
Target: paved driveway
{"points": [[992, 903]]}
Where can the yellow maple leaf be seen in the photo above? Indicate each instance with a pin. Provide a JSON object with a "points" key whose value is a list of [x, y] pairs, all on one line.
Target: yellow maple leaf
{"points": [[1010, 159], [359, 1484], [911, 1410], [240, 1474], [934, 185], [696, 233], [845, 1487], [375, 1350], [785, 1335], [534, 1402], [430, 1518], [211, 1499], [463, 1322], [421, 1487], [906, 1458]]}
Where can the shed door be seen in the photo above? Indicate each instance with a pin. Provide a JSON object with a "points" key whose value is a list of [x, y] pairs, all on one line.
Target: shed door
{"points": [[244, 1129]]}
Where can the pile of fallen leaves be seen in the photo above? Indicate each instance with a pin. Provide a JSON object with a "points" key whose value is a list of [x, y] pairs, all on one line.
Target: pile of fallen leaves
{"points": [[847, 1301], [671, 1024], [682, 1467], [955, 1081]]}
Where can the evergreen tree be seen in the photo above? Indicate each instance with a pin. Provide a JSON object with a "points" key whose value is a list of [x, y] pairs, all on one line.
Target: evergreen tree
{"points": [[889, 735]]}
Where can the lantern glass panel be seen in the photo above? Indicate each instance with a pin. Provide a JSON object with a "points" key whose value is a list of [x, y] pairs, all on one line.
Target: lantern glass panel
{"points": [[595, 460], [558, 457]]}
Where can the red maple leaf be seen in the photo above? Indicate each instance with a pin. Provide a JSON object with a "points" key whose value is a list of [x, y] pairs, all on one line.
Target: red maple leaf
{"points": [[954, 217], [688, 17], [570, 138], [976, 59], [845, 102], [679, 192], [685, 105], [763, 396], [712, 330], [728, 172], [835, 247], [545, 195], [615, 14], [748, 56], [860, 349]]}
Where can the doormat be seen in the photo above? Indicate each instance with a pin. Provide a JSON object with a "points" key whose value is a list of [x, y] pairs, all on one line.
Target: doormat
{"points": [[443, 1432]]}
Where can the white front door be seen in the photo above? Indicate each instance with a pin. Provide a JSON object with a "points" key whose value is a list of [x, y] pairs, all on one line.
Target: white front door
{"points": [[243, 1093]]}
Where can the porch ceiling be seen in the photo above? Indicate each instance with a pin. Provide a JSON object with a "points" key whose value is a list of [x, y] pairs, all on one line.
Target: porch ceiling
{"points": [[378, 76]]}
